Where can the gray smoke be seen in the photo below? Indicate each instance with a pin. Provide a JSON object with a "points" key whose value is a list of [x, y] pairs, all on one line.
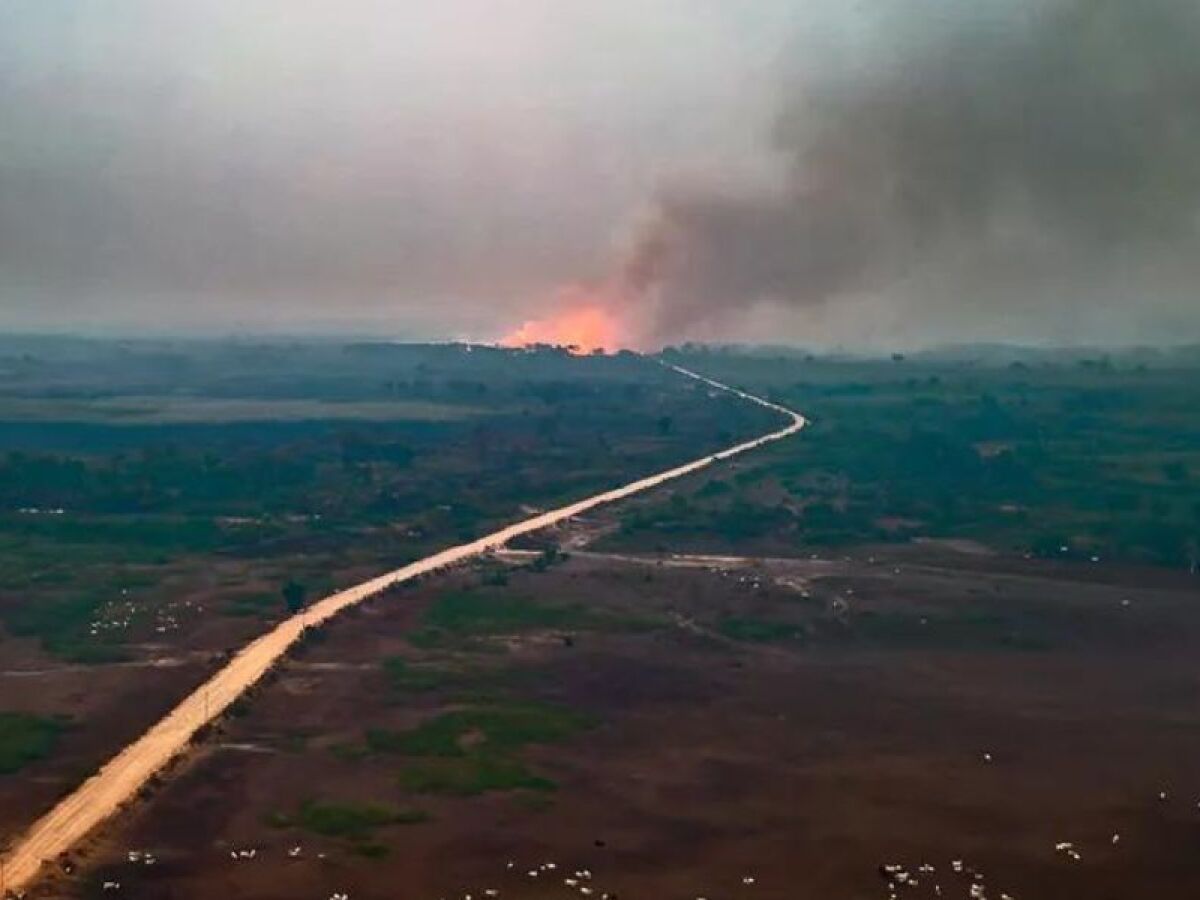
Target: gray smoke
{"points": [[408, 169], [965, 163]]}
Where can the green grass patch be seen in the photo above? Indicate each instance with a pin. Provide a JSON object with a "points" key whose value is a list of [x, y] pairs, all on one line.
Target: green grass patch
{"points": [[25, 739], [473, 751], [379, 740], [254, 605], [498, 729], [372, 850], [173, 409], [403, 677], [755, 630], [481, 612], [470, 775], [459, 616], [534, 801], [467, 684], [353, 821], [60, 624], [88, 653]]}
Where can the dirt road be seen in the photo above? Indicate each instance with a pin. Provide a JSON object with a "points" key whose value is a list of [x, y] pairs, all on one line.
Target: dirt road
{"points": [[119, 779]]}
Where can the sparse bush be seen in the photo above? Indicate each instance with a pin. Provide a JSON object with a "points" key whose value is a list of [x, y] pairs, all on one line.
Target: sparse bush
{"points": [[355, 822], [470, 775], [25, 739], [294, 595]]}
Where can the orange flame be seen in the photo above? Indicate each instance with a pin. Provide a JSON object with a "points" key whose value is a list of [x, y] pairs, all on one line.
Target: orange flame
{"points": [[581, 329]]}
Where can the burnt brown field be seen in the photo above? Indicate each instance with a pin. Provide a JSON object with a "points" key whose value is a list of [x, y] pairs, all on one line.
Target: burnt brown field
{"points": [[795, 722], [174, 633], [137, 551], [953, 622]]}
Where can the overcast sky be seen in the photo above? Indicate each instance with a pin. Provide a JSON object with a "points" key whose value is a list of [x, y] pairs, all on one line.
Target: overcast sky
{"points": [[416, 169]]}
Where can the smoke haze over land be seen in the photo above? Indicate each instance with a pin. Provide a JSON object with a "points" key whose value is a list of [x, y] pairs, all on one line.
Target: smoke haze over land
{"points": [[891, 172], [1022, 169]]}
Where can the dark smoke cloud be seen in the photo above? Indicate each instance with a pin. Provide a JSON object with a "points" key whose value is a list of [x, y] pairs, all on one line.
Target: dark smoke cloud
{"points": [[1039, 161]]}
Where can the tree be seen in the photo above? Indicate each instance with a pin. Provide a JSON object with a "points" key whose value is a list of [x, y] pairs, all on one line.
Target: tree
{"points": [[293, 596], [548, 557], [1175, 471]]}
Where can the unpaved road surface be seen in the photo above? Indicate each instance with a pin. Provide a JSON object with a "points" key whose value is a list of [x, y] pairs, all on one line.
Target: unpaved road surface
{"points": [[119, 779]]}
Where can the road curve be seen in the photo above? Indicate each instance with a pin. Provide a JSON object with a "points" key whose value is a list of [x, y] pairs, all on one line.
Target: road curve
{"points": [[121, 777]]}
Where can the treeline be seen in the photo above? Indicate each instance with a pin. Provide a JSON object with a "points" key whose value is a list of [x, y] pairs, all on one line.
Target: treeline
{"points": [[1050, 464]]}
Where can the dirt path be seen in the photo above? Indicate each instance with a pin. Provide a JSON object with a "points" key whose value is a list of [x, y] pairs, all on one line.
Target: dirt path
{"points": [[119, 779]]}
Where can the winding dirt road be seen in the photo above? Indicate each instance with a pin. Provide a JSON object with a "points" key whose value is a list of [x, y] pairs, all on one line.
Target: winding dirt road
{"points": [[119, 779]]}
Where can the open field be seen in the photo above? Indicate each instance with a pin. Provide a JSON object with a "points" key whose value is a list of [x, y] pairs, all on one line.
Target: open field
{"points": [[916, 711], [956, 620], [136, 558], [134, 410], [133, 769]]}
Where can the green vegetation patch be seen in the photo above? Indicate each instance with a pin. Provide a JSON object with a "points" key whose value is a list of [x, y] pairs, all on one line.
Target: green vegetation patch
{"points": [[1041, 453], [499, 729], [253, 605], [462, 615], [61, 625], [747, 628], [472, 613], [403, 676], [469, 775], [536, 801], [352, 821], [24, 739], [173, 409], [472, 751], [372, 850], [465, 683]]}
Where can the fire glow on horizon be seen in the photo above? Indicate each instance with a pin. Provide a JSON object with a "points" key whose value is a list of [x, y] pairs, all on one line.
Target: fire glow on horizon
{"points": [[583, 327]]}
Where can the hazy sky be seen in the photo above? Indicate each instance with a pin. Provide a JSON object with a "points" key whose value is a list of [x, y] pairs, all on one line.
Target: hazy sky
{"points": [[882, 171]]}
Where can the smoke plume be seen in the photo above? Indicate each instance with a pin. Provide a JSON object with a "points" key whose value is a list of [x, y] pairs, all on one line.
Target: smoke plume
{"points": [[963, 163]]}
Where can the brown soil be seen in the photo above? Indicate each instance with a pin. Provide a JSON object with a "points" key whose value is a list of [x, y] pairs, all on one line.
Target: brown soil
{"points": [[106, 706], [1035, 704]]}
